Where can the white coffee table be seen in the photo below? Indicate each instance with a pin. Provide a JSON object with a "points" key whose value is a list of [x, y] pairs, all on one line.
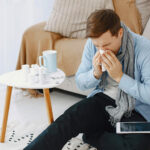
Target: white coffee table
{"points": [[16, 79]]}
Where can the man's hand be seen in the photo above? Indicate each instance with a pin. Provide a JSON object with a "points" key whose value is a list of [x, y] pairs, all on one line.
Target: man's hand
{"points": [[97, 67], [112, 65]]}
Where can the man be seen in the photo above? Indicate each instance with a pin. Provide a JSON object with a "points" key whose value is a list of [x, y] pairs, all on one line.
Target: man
{"points": [[122, 92]]}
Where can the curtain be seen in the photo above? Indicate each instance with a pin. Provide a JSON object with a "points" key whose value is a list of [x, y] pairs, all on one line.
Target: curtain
{"points": [[15, 17]]}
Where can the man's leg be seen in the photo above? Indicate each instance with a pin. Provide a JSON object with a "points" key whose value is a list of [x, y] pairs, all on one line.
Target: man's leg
{"points": [[93, 137], [110, 140], [125, 141], [87, 116]]}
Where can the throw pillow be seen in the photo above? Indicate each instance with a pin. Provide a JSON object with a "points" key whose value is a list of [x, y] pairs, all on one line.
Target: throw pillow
{"points": [[144, 9], [128, 13], [68, 17], [146, 32]]}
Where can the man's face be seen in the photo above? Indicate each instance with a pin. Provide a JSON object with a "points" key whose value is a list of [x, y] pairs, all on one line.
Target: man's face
{"points": [[108, 42]]}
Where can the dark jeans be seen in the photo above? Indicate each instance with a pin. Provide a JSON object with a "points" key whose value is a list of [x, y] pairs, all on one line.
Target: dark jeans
{"points": [[89, 117]]}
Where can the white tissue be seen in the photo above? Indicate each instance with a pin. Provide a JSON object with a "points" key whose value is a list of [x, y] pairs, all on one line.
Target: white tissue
{"points": [[101, 52]]}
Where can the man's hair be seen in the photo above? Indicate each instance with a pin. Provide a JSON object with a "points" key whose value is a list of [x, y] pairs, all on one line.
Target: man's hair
{"points": [[102, 21]]}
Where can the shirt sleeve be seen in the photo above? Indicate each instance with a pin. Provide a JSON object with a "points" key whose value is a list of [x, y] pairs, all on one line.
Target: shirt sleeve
{"points": [[84, 76], [138, 89]]}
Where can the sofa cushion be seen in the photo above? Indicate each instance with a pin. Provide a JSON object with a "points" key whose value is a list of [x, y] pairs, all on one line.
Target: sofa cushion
{"points": [[146, 32], [144, 9], [128, 13], [68, 17]]}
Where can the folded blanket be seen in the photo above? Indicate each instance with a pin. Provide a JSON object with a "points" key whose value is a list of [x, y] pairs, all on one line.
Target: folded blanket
{"points": [[34, 41]]}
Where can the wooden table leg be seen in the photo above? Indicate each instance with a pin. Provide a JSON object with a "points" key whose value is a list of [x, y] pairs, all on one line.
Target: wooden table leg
{"points": [[48, 104], [6, 111]]}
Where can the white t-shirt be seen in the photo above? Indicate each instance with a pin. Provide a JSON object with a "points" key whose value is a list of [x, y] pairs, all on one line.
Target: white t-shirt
{"points": [[111, 88]]}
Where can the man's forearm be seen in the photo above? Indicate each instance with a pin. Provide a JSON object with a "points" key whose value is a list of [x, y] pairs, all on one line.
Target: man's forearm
{"points": [[135, 89], [86, 80]]}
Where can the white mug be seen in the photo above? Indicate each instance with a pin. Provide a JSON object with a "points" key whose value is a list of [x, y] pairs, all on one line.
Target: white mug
{"points": [[49, 59]]}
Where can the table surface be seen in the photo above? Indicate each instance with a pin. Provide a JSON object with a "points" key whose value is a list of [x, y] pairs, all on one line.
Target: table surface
{"points": [[16, 79]]}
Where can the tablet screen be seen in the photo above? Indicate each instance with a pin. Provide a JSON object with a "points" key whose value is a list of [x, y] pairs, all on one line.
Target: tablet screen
{"points": [[139, 126]]}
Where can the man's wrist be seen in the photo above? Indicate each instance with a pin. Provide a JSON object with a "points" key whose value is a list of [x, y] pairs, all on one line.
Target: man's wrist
{"points": [[96, 75], [119, 78]]}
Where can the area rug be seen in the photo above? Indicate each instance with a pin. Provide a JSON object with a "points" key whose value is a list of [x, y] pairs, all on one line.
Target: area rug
{"points": [[19, 135]]}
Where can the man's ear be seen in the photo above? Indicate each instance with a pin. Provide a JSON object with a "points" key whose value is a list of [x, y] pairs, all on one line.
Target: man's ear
{"points": [[120, 32]]}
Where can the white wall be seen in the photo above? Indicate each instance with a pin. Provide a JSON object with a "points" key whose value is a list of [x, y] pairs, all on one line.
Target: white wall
{"points": [[15, 17]]}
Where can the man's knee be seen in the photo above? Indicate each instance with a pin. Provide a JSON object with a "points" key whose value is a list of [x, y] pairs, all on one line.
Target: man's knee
{"points": [[79, 106]]}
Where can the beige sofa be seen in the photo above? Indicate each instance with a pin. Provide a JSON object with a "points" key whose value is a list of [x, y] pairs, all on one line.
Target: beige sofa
{"points": [[69, 51]]}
